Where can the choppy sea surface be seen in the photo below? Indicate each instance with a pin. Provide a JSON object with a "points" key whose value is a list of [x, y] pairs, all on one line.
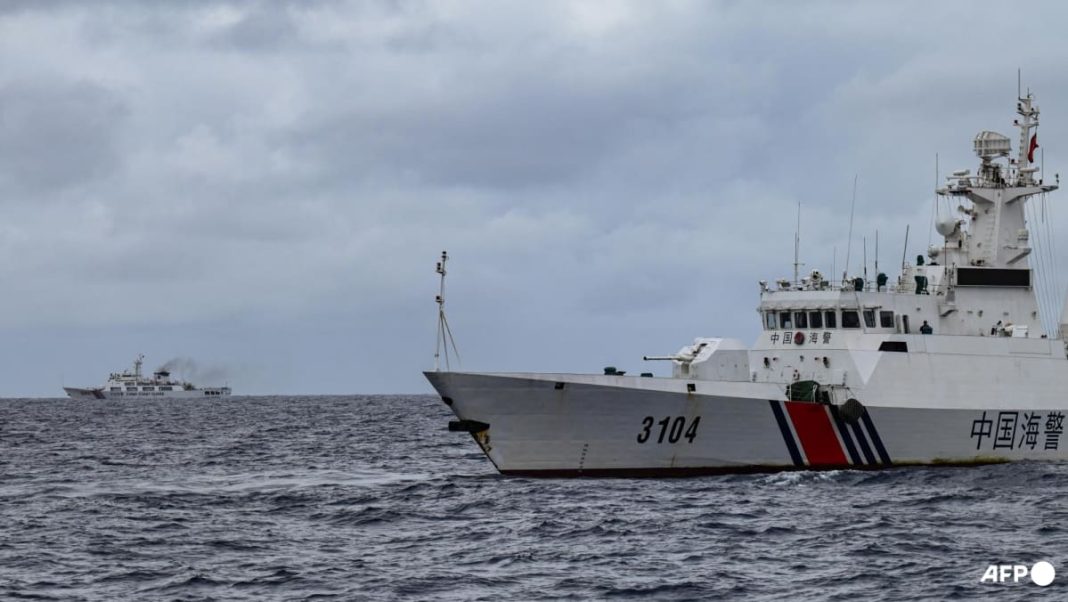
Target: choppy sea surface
{"points": [[370, 498]]}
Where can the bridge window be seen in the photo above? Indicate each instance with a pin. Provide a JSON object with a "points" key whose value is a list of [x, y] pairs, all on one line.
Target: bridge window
{"points": [[899, 346], [800, 319], [830, 317], [869, 318], [769, 320], [886, 319], [815, 319], [850, 318], [785, 320]]}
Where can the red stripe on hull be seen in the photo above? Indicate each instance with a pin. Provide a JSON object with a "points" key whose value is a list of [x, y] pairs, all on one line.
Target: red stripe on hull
{"points": [[816, 433]]}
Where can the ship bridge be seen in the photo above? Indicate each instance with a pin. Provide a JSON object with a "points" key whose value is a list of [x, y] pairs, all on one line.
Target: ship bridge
{"points": [[978, 282]]}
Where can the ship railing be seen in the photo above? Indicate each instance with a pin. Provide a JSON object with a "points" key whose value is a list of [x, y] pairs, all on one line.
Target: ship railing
{"points": [[868, 286]]}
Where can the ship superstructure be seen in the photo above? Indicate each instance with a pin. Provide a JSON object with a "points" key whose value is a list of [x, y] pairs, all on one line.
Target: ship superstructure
{"points": [[132, 384], [948, 364]]}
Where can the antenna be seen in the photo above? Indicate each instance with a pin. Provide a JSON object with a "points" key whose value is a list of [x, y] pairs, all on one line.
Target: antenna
{"points": [[849, 243], [876, 253], [834, 261], [865, 239], [905, 250], [934, 209], [444, 333], [797, 243]]}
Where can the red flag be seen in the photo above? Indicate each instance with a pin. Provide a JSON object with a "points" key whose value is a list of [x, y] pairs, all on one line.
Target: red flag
{"points": [[1031, 151]]}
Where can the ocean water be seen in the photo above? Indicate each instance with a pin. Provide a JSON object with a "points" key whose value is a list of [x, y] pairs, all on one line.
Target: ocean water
{"points": [[370, 498]]}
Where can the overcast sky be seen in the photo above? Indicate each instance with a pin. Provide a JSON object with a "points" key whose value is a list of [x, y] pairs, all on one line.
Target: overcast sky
{"points": [[265, 187]]}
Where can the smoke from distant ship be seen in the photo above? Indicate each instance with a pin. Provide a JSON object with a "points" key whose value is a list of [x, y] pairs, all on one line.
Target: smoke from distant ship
{"points": [[188, 369]]}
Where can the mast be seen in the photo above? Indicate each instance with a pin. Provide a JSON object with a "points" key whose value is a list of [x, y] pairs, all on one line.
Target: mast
{"points": [[834, 261], [905, 249], [444, 334], [865, 239], [797, 244], [849, 243], [876, 253], [1025, 151], [995, 246]]}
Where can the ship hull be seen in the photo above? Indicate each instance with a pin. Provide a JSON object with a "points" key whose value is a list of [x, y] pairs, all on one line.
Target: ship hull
{"points": [[101, 394], [591, 425], [84, 394]]}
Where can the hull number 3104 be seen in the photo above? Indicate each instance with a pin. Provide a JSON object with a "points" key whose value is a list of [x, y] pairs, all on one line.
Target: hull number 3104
{"points": [[672, 429]]}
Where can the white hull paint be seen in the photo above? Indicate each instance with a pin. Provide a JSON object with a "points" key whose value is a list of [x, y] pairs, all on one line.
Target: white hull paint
{"points": [[133, 385], [98, 394], [592, 426], [956, 362]]}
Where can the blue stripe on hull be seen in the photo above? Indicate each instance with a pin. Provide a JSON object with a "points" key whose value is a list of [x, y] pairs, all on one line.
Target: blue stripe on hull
{"points": [[862, 441], [878, 442], [843, 430], [787, 436]]}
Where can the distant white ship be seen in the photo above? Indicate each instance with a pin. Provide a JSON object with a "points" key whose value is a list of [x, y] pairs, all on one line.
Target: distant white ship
{"points": [[133, 385]]}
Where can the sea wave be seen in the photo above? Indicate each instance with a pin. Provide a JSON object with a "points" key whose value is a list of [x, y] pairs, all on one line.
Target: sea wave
{"points": [[369, 498]]}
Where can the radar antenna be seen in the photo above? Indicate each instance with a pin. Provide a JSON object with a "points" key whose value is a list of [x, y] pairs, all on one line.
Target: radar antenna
{"points": [[797, 246], [444, 339], [849, 242]]}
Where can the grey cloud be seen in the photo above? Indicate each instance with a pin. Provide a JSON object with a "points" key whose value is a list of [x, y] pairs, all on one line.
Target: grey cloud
{"points": [[536, 131], [271, 182], [261, 28], [518, 142], [57, 134]]}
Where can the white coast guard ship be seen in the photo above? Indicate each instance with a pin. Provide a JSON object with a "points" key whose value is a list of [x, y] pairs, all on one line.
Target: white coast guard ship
{"points": [[133, 385], [949, 365]]}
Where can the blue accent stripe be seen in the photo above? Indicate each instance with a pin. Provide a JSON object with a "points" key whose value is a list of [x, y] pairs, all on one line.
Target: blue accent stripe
{"points": [[885, 457], [787, 436], [844, 432], [863, 442]]}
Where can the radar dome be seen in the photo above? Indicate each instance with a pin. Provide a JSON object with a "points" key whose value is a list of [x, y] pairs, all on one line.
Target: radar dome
{"points": [[947, 226]]}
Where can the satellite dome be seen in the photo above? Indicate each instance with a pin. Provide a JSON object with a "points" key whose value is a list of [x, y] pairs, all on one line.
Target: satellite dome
{"points": [[947, 226]]}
